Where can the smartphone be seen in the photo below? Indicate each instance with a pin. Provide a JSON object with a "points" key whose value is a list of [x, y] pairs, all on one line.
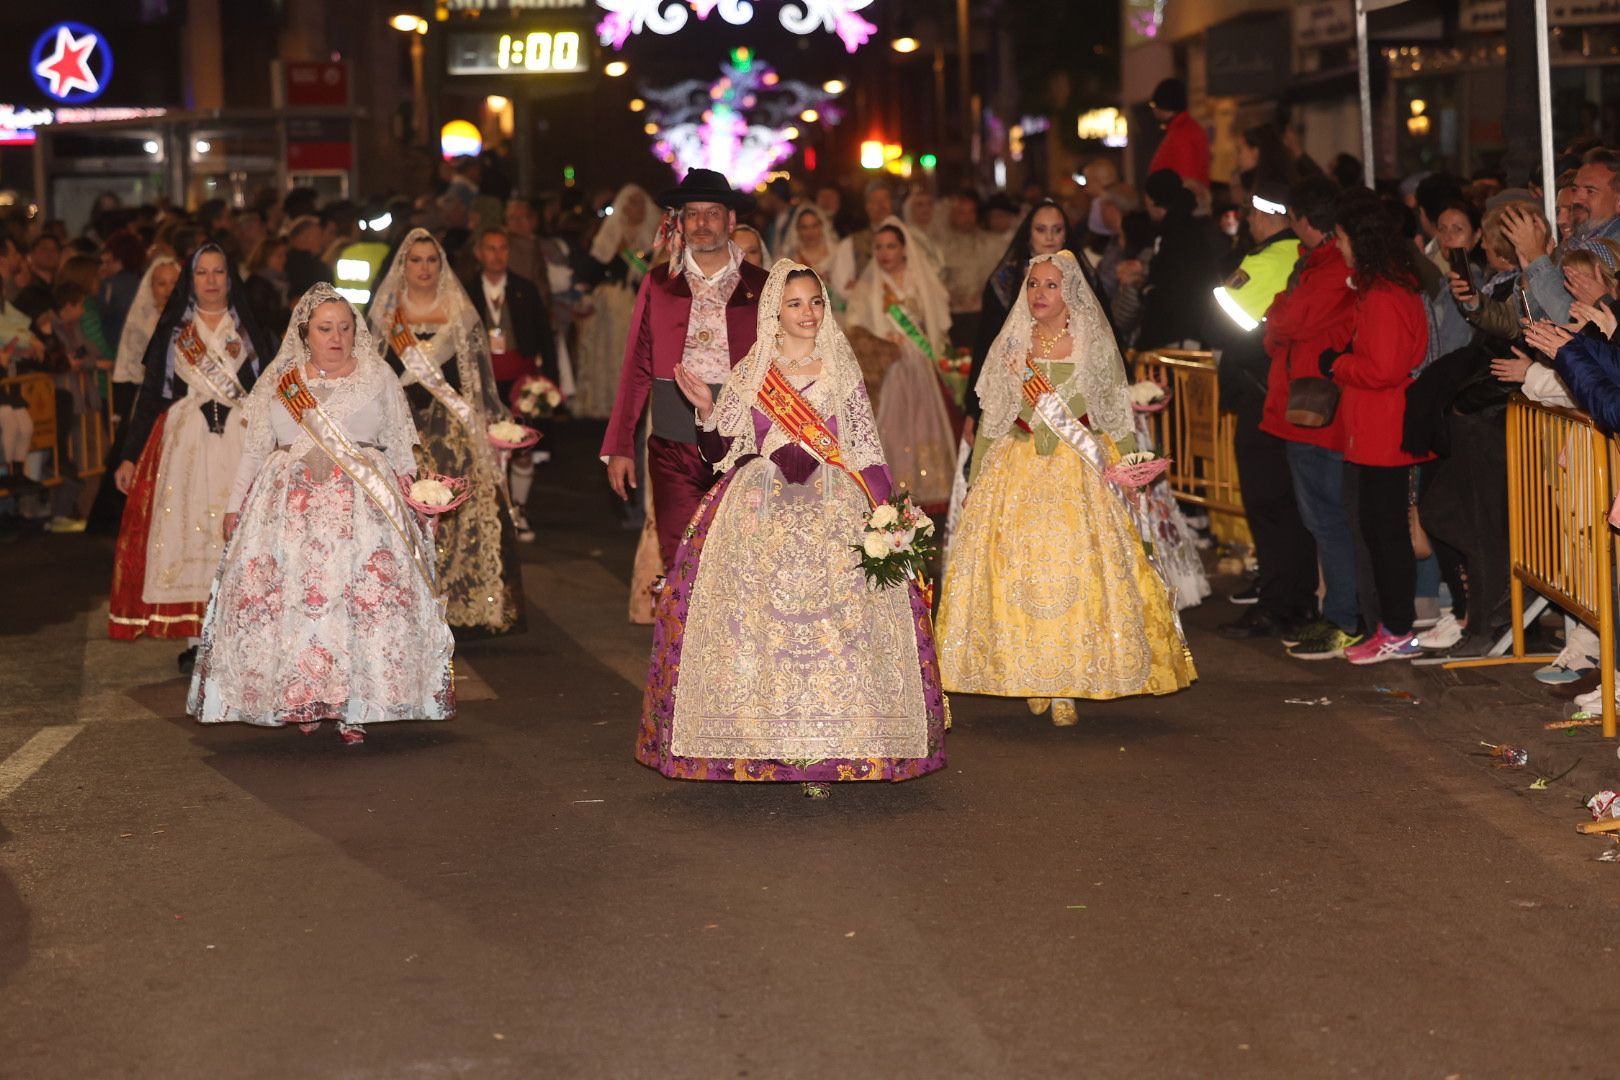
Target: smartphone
{"points": [[1524, 308], [1458, 258]]}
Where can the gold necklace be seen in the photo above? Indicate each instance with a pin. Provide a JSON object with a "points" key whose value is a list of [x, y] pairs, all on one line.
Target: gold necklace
{"points": [[1044, 344]]}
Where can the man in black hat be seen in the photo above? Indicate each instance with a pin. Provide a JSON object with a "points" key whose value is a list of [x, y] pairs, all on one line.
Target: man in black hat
{"points": [[1185, 147], [697, 310]]}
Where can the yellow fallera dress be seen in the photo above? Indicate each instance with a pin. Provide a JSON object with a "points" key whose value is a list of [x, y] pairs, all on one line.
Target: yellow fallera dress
{"points": [[1048, 591]]}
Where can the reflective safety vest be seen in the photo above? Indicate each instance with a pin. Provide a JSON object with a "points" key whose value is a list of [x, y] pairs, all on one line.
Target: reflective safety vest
{"points": [[1263, 274], [357, 266]]}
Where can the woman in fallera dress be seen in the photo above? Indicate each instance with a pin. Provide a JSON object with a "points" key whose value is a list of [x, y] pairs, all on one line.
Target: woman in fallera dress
{"points": [[433, 338], [773, 659], [180, 447], [1051, 593], [899, 322], [324, 607], [621, 250]]}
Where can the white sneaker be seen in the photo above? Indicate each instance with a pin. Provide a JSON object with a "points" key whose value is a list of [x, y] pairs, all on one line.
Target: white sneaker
{"points": [[1592, 700], [1443, 635]]}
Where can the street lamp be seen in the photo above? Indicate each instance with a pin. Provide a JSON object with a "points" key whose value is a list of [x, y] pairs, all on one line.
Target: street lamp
{"points": [[615, 69], [905, 45], [834, 86], [409, 24]]}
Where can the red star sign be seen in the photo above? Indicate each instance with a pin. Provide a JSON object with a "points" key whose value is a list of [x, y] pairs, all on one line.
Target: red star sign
{"points": [[68, 68]]}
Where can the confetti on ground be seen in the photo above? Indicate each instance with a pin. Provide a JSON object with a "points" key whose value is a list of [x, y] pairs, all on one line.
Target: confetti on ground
{"points": [[1307, 701]]}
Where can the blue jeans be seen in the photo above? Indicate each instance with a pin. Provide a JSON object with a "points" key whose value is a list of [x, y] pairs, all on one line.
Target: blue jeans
{"points": [[1319, 490]]}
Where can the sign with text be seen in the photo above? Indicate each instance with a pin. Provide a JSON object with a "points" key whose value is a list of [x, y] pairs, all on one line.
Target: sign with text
{"points": [[1324, 22]]}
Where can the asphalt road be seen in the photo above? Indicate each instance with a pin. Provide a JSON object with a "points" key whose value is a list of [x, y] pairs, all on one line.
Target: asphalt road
{"points": [[1216, 884]]}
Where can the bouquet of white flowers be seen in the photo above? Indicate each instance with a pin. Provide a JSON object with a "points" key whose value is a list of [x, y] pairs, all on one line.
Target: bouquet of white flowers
{"points": [[435, 494], [507, 435], [1137, 470], [536, 397], [1148, 396], [897, 544]]}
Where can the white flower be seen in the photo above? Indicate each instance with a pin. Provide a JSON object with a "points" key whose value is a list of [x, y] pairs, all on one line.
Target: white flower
{"points": [[507, 431], [1146, 393], [902, 540], [553, 398], [883, 517], [431, 493], [875, 545], [925, 524], [1138, 458]]}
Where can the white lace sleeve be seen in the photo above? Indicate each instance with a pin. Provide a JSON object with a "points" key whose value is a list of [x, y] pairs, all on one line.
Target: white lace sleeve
{"points": [[398, 435], [256, 446]]}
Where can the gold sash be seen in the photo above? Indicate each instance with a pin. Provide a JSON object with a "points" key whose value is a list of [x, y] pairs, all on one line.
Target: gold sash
{"points": [[383, 491], [204, 371], [428, 374]]}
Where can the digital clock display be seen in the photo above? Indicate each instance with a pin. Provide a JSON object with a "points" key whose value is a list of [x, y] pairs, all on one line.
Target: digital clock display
{"points": [[516, 52]]}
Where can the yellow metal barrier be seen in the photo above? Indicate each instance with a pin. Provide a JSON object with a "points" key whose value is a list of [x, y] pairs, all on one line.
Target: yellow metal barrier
{"points": [[1561, 475], [1198, 437], [89, 433]]}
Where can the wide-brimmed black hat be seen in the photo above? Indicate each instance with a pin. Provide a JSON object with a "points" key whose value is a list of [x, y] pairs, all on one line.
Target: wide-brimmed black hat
{"points": [[705, 185]]}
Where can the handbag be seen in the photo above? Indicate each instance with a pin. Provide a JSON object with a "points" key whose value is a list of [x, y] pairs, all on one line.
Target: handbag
{"points": [[1312, 401]]}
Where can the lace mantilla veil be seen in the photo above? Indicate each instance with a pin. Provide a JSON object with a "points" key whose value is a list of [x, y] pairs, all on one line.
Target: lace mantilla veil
{"points": [[371, 376], [141, 322], [1099, 373], [471, 345], [838, 392]]}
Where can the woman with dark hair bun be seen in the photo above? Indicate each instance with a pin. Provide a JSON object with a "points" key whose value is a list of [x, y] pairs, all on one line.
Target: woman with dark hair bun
{"points": [[1388, 346]]}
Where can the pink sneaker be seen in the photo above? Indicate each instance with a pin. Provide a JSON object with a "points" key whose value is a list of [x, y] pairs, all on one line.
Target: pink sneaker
{"points": [[1384, 646]]}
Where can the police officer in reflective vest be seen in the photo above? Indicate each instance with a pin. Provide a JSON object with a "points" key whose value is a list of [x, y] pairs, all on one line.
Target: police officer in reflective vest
{"points": [[1284, 595]]}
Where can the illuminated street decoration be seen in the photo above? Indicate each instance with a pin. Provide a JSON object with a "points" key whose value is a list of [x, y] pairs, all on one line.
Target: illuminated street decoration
{"points": [[626, 18], [71, 62], [742, 125]]}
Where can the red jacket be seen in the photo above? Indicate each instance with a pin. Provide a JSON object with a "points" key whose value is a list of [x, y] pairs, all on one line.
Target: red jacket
{"points": [[1317, 312], [1391, 337], [1184, 148], [658, 341]]}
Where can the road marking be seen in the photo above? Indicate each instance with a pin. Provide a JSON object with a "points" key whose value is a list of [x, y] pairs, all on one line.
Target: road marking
{"points": [[32, 755]]}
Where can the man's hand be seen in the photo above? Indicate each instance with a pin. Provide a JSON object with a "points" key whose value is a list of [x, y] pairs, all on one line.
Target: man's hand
{"points": [[1511, 368], [124, 477], [621, 476], [968, 428]]}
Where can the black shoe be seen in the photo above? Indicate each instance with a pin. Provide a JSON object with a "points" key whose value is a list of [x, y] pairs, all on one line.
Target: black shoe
{"points": [[1251, 595], [1307, 629], [188, 660], [1254, 623]]}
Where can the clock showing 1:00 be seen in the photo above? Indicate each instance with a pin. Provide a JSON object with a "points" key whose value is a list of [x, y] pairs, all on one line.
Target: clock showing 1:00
{"points": [[516, 52]]}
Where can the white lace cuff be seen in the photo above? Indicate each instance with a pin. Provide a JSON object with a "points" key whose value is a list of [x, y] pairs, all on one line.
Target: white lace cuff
{"points": [[711, 423]]}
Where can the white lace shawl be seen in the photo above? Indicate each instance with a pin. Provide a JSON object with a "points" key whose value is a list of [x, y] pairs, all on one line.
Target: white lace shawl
{"points": [[465, 328], [924, 296], [139, 325], [616, 233], [372, 379], [1098, 374], [790, 240], [838, 393]]}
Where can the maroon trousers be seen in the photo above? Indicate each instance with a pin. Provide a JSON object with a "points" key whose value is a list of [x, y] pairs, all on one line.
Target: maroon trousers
{"points": [[679, 477]]}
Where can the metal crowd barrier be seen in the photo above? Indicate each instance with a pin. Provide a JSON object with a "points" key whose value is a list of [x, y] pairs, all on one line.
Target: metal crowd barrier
{"points": [[1197, 436], [1561, 477], [90, 433]]}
